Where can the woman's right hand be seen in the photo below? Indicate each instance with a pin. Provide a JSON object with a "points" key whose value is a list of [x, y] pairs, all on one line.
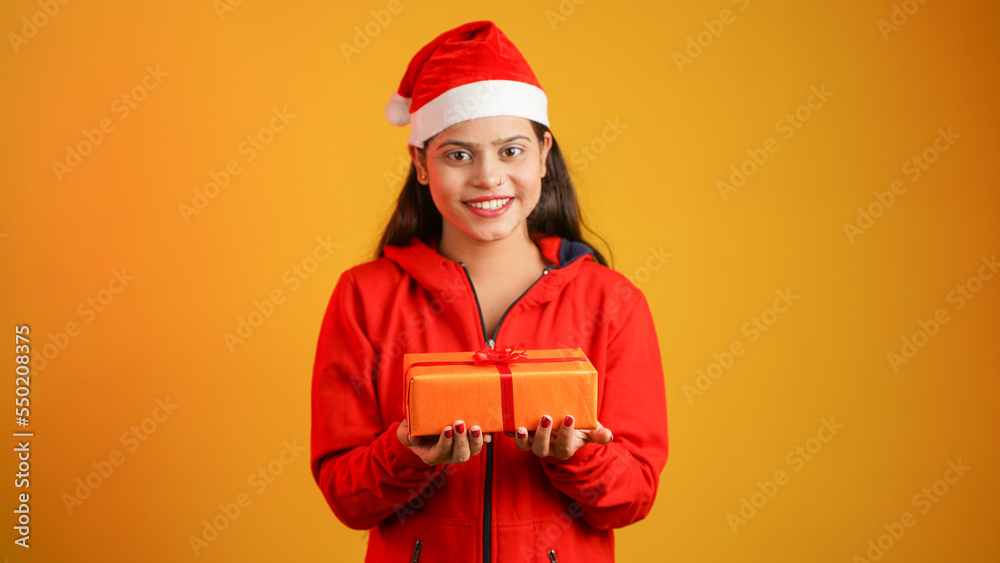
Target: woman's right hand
{"points": [[455, 444]]}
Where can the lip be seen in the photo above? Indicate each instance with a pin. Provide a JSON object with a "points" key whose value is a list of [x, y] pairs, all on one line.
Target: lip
{"points": [[489, 212]]}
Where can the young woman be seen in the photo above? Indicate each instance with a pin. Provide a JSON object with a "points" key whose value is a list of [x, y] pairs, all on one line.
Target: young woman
{"points": [[484, 247]]}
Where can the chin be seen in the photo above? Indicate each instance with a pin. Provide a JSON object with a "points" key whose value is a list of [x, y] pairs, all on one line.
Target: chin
{"points": [[490, 235]]}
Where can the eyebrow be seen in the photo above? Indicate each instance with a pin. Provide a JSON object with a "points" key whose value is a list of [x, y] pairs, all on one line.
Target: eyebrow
{"points": [[476, 145]]}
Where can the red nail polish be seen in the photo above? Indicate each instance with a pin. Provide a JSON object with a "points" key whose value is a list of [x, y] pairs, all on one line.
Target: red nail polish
{"points": [[568, 421], [546, 421], [521, 433], [447, 433], [476, 433], [460, 428]]}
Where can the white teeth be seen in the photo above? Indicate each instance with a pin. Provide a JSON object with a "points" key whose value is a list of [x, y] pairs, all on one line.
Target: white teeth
{"points": [[490, 204]]}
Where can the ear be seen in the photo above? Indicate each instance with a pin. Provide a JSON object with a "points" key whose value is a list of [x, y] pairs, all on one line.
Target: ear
{"points": [[544, 153], [419, 158]]}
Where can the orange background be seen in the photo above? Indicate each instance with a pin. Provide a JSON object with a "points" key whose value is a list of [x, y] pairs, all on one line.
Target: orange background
{"points": [[649, 186]]}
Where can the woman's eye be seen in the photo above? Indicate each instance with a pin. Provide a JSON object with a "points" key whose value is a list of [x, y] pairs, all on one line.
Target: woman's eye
{"points": [[459, 156], [512, 151]]}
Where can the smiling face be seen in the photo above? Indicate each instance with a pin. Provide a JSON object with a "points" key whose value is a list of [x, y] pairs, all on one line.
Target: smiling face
{"points": [[485, 176]]}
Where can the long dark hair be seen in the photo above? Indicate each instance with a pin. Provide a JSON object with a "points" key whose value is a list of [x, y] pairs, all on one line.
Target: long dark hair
{"points": [[557, 212]]}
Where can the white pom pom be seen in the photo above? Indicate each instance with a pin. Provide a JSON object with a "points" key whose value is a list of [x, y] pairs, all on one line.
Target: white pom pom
{"points": [[397, 111]]}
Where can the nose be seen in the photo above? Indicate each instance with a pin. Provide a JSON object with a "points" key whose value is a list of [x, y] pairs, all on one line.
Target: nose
{"points": [[488, 173]]}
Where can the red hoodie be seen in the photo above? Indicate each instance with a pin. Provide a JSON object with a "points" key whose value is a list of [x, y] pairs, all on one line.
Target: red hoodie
{"points": [[502, 505]]}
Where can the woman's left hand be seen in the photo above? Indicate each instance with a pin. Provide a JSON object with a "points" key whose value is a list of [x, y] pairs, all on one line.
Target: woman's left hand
{"points": [[564, 443]]}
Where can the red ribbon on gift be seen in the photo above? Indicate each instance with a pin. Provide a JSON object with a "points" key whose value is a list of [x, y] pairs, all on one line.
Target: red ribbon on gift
{"points": [[499, 357], [506, 355]]}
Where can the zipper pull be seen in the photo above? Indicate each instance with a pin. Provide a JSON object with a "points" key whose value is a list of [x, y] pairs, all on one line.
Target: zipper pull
{"points": [[552, 555], [416, 551], [490, 343]]}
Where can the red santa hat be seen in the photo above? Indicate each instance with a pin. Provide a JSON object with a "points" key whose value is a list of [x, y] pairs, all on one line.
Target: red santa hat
{"points": [[471, 71]]}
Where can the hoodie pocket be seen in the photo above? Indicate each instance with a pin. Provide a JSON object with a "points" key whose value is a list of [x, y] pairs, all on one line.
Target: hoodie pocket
{"points": [[552, 556], [416, 551]]}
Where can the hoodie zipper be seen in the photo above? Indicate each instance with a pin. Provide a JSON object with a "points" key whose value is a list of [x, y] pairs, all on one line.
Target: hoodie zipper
{"points": [[416, 551], [552, 556], [491, 342]]}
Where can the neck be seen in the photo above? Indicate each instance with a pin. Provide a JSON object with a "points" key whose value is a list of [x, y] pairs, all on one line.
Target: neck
{"points": [[493, 257]]}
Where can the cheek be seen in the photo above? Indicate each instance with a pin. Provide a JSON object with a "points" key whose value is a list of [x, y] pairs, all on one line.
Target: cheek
{"points": [[440, 200], [530, 188], [447, 177], [445, 194]]}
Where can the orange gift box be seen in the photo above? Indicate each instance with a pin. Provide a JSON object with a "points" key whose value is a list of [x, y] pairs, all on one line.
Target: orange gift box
{"points": [[506, 390]]}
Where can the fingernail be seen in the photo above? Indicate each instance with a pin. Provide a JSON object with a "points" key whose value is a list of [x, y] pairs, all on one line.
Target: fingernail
{"points": [[447, 433], [568, 421], [546, 421], [460, 428], [475, 432], [521, 433]]}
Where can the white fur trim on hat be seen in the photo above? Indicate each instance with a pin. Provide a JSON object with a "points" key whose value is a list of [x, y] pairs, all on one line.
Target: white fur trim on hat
{"points": [[486, 98]]}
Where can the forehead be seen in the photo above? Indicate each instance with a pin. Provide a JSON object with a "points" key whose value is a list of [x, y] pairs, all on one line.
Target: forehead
{"points": [[484, 130]]}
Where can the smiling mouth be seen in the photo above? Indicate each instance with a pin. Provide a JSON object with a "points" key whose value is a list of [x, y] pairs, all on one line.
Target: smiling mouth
{"points": [[490, 204]]}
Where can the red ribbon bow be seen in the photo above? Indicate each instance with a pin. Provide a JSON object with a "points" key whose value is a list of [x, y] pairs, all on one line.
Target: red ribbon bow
{"points": [[508, 354]]}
